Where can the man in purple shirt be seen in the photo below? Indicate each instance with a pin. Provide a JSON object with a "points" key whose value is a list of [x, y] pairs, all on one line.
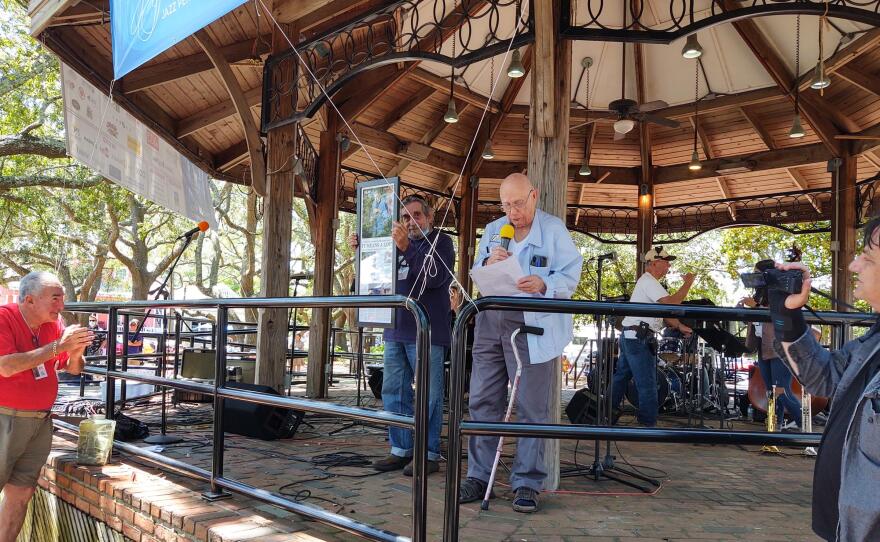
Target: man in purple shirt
{"points": [[423, 274]]}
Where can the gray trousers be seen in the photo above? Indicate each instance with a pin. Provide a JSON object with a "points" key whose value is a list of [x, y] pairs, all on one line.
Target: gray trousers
{"points": [[495, 366]]}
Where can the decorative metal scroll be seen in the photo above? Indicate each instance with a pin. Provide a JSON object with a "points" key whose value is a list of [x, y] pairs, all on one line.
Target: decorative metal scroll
{"points": [[867, 200], [408, 30], [350, 177], [583, 19], [309, 159]]}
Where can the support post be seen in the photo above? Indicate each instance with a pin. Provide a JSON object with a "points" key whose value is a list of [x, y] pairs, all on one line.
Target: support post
{"points": [[645, 233], [324, 239], [548, 160], [467, 231], [843, 229], [277, 213]]}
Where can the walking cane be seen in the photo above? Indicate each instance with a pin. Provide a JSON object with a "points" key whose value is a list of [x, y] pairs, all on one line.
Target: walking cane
{"points": [[513, 388]]}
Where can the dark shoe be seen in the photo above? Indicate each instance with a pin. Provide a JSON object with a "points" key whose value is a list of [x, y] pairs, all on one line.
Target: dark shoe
{"points": [[433, 466], [525, 500], [472, 490], [391, 462]]}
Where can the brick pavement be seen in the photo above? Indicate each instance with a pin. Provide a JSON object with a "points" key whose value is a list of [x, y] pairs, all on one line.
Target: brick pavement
{"points": [[708, 492]]}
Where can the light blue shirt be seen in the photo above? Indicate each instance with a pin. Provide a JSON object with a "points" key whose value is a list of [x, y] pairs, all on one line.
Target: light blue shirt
{"points": [[548, 240]]}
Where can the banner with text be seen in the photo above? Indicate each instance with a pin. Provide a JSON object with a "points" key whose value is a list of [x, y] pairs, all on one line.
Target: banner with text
{"points": [[128, 153]]}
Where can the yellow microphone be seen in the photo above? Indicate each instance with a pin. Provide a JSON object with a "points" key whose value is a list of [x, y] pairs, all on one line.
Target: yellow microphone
{"points": [[506, 235]]}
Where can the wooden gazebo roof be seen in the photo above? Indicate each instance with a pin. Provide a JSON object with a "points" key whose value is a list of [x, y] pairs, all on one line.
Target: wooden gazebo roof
{"points": [[748, 158]]}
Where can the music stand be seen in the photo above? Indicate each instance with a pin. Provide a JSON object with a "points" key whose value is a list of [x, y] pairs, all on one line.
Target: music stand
{"points": [[605, 468]]}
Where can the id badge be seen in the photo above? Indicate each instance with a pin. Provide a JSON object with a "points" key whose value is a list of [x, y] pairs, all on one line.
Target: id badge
{"points": [[402, 272], [39, 372]]}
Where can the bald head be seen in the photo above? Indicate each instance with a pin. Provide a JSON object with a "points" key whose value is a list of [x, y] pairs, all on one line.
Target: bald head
{"points": [[519, 199]]}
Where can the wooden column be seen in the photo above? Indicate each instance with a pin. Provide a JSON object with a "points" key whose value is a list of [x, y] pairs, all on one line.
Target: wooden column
{"points": [[548, 156], [843, 229], [277, 212], [324, 238], [645, 232], [467, 232]]}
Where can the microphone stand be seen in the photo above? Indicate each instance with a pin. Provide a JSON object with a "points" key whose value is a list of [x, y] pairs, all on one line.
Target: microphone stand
{"points": [[161, 292], [603, 468]]}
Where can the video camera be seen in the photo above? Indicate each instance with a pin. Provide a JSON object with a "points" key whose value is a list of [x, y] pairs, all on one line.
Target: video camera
{"points": [[791, 281]]}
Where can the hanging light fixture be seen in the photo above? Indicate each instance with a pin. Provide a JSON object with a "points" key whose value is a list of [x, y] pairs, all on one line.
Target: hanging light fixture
{"points": [[695, 164], [585, 170], [516, 69], [451, 115], [488, 153], [797, 131], [820, 78], [692, 47]]}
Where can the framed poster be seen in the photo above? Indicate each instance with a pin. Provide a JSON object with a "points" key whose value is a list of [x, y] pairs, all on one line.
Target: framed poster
{"points": [[377, 209]]}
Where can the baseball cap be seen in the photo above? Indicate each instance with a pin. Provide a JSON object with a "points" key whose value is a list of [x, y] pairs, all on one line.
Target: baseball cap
{"points": [[658, 253]]}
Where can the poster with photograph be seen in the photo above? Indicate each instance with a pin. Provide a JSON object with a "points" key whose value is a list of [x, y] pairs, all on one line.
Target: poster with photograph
{"points": [[377, 209]]}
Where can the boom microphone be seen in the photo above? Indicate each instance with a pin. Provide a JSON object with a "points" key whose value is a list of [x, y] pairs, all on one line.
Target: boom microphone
{"points": [[203, 226], [506, 235]]}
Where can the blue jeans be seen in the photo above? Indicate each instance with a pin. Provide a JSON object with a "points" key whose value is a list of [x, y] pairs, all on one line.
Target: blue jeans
{"points": [[397, 395], [637, 362], [775, 373]]}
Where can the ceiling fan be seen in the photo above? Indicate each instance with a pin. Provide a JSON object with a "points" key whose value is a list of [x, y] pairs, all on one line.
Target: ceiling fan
{"points": [[629, 112]]}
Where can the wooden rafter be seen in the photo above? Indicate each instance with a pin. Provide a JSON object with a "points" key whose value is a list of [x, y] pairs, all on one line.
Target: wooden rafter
{"points": [[252, 136], [461, 92], [759, 129], [580, 201], [437, 127], [391, 145], [494, 169], [215, 113], [230, 157], [802, 184], [724, 188], [867, 42], [865, 81], [402, 110], [154, 74], [450, 24], [813, 109], [704, 139]]}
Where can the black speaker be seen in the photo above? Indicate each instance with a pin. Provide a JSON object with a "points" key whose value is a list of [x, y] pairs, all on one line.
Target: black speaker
{"points": [[264, 422], [377, 376], [583, 408]]}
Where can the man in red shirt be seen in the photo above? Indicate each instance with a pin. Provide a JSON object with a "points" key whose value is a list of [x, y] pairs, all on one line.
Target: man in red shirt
{"points": [[34, 344]]}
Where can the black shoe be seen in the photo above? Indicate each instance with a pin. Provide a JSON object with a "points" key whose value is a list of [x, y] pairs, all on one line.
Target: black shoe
{"points": [[391, 462], [525, 500], [433, 466], [473, 490]]}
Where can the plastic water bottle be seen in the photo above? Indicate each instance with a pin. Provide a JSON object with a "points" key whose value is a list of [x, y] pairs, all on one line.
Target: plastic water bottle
{"points": [[751, 413]]}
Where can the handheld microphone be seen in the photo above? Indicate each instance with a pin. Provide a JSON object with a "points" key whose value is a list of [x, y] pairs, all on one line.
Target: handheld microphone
{"points": [[203, 226], [506, 235]]}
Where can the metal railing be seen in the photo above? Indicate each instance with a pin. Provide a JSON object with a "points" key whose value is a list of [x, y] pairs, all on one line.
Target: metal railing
{"points": [[418, 422], [458, 428]]}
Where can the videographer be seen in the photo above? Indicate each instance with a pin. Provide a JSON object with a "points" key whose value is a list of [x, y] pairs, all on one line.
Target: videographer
{"points": [[846, 502]]}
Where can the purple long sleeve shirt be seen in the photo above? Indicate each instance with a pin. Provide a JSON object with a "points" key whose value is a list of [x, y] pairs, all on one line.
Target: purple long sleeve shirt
{"points": [[435, 298]]}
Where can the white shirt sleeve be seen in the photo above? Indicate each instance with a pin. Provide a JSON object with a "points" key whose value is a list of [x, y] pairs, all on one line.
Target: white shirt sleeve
{"points": [[654, 290]]}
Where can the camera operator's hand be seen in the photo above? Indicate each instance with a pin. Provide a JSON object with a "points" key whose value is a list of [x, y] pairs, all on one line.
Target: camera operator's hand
{"points": [[785, 308], [748, 302], [796, 301]]}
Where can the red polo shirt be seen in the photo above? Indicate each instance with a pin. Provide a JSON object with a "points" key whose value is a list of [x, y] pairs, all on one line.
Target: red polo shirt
{"points": [[22, 390]]}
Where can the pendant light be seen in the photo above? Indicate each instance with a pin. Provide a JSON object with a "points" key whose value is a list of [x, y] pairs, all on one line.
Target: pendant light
{"points": [[516, 69], [585, 170], [488, 152], [451, 115], [820, 78], [695, 164], [797, 131], [692, 47]]}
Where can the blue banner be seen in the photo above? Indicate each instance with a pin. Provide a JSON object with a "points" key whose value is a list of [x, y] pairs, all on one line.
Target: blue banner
{"points": [[141, 29]]}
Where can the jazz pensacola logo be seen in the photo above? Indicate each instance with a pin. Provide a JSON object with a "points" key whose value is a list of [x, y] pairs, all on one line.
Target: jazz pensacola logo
{"points": [[141, 29]]}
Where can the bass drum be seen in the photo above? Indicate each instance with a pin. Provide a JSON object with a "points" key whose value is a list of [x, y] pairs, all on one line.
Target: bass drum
{"points": [[669, 390]]}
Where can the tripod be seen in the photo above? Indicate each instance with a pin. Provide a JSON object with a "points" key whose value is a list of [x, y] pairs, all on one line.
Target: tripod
{"points": [[605, 468]]}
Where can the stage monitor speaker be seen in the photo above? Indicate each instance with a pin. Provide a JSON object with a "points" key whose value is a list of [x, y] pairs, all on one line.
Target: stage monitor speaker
{"points": [[583, 408], [264, 422]]}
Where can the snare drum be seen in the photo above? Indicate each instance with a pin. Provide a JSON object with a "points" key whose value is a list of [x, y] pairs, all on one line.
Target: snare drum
{"points": [[669, 389], [670, 349]]}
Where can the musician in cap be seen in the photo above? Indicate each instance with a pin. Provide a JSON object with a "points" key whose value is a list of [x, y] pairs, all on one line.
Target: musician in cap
{"points": [[543, 247], [637, 359]]}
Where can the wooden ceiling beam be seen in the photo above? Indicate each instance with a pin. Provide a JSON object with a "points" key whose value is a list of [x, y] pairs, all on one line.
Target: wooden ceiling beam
{"points": [[331, 12], [801, 183], [251, 134], [865, 81], [759, 129], [704, 139], [493, 169], [723, 103], [813, 109], [867, 42], [289, 11], [762, 161], [390, 145], [442, 84], [726, 194], [216, 113], [154, 74], [402, 110], [450, 24], [232, 156], [437, 127]]}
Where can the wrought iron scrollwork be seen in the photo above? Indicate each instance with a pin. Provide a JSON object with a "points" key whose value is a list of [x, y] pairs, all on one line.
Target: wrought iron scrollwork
{"points": [[409, 30], [308, 156], [867, 200]]}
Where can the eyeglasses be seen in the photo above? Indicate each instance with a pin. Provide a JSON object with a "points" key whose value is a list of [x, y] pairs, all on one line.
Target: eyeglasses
{"points": [[518, 205]]}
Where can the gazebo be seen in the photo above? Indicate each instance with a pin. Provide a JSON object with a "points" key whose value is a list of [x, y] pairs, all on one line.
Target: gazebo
{"points": [[642, 121]]}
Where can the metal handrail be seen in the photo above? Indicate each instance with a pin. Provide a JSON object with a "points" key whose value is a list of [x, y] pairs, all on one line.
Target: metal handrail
{"points": [[458, 428], [418, 422]]}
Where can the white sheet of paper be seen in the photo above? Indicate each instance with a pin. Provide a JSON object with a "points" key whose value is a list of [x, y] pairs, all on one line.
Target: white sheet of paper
{"points": [[498, 278]]}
